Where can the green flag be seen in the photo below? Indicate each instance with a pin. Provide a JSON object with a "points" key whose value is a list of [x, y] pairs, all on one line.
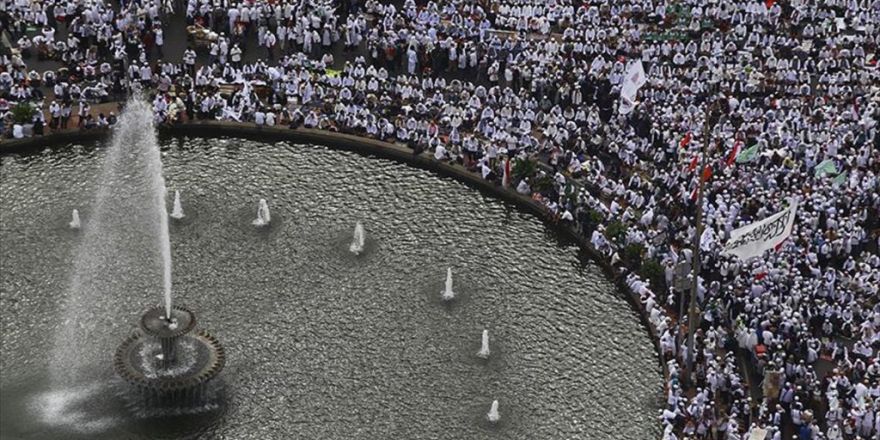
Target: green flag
{"points": [[747, 155], [839, 180], [826, 167]]}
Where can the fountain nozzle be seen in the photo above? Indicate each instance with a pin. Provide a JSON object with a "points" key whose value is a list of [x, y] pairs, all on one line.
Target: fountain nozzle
{"points": [[171, 323]]}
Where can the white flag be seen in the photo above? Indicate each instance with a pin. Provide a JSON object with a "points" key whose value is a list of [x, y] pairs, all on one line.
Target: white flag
{"points": [[707, 240], [632, 82], [626, 105], [758, 434], [752, 240]]}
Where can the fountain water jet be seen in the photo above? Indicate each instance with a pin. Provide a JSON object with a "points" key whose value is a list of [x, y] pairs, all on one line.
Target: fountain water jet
{"points": [[177, 209], [357, 242], [494, 416], [448, 294], [263, 216], [74, 222], [125, 250], [484, 348]]}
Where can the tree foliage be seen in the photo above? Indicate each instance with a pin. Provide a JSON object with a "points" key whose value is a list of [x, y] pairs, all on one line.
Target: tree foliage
{"points": [[23, 113]]}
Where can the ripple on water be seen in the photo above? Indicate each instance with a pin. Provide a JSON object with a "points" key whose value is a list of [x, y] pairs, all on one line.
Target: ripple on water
{"points": [[326, 345]]}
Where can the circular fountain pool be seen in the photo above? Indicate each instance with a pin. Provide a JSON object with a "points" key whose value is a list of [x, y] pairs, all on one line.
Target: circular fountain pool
{"points": [[322, 343]]}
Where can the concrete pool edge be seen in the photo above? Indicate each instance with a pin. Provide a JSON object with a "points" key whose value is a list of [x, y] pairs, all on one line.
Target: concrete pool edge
{"points": [[364, 146]]}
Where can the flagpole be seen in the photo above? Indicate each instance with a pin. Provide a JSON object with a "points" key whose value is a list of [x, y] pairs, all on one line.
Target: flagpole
{"points": [[692, 312]]}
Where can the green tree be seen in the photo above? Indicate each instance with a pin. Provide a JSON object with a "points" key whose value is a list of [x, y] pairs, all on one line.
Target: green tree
{"points": [[652, 270], [23, 113], [523, 168], [632, 255], [616, 231], [542, 184]]}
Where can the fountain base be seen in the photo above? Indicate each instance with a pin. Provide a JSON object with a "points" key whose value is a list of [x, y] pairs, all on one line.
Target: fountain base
{"points": [[169, 370]]}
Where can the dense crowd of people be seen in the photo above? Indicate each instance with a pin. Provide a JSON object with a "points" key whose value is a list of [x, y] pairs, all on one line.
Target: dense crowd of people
{"points": [[526, 93]]}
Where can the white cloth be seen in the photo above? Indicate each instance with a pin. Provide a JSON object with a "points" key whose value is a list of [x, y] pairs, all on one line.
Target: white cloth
{"points": [[633, 81], [752, 240]]}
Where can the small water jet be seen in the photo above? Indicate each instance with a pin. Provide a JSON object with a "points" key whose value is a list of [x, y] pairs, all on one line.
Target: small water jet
{"points": [[448, 293], [494, 416], [484, 348], [177, 209], [357, 242], [263, 216], [74, 222]]}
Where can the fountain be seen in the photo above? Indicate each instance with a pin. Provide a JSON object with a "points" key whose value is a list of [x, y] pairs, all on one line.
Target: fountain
{"points": [[177, 210], [448, 294], [170, 369], [357, 242], [58, 377], [493, 415], [484, 348], [74, 222], [125, 249], [263, 217]]}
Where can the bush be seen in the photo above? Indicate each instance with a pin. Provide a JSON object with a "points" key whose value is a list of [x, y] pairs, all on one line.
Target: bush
{"points": [[652, 270], [542, 184], [569, 192], [632, 255], [23, 113], [616, 231], [589, 220], [523, 168]]}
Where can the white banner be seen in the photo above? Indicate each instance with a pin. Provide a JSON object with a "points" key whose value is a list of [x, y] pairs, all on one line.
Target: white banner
{"points": [[752, 240], [632, 82], [758, 434], [626, 105]]}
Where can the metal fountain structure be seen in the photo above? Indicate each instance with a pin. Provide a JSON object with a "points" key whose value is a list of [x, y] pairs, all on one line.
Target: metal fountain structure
{"points": [[170, 367]]}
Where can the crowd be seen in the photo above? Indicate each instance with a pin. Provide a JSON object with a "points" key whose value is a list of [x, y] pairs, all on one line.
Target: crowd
{"points": [[526, 92]]}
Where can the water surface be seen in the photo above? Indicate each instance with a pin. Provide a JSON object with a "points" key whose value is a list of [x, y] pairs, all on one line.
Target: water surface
{"points": [[323, 344]]}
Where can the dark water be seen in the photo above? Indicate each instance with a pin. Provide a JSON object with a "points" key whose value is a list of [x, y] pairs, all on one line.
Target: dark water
{"points": [[323, 344]]}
